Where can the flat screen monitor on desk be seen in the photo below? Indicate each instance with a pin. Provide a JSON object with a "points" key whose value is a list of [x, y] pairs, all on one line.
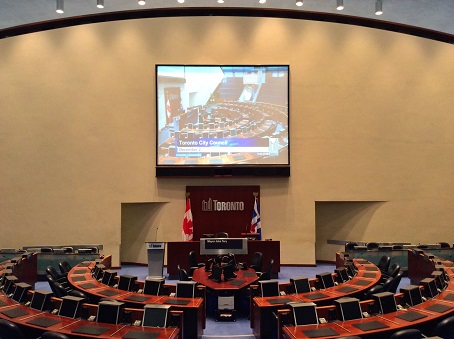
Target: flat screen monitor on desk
{"points": [[304, 313], [348, 309], [109, 312], [69, 306], [386, 302], [155, 315], [41, 300], [215, 246]]}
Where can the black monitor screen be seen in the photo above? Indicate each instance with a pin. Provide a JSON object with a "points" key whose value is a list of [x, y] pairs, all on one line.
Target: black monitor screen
{"points": [[185, 289], [430, 287], [342, 274], [348, 309], [325, 279], [152, 286], [109, 312], [155, 315], [69, 306], [40, 300], [386, 302], [234, 116], [20, 292], [301, 285], [304, 313], [108, 278], [412, 295], [269, 288], [9, 286], [438, 275], [126, 282]]}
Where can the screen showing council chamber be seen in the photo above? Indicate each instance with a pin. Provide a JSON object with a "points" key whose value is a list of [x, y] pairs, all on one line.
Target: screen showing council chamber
{"points": [[222, 115]]}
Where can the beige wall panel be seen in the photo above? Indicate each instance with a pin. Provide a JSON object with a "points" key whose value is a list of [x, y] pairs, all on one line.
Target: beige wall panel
{"points": [[371, 120]]}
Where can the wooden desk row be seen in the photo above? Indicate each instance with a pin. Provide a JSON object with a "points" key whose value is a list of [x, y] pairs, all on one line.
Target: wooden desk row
{"points": [[34, 322], [423, 316], [24, 267], [80, 278], [262, 318]]}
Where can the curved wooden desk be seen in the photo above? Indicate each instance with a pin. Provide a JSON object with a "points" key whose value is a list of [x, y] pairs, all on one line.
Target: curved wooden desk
{"points": [[194, 312], [33, 323], [244, 278], [262, 318], [423, 316]]}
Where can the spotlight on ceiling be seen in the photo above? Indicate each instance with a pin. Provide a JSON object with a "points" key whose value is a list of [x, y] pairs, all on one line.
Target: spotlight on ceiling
{"points": [[299, 3], [262, 1], [180, 1], [220, 1], [60, 5], [100, 3], [340, 5], [379, 7], [141, 2]]}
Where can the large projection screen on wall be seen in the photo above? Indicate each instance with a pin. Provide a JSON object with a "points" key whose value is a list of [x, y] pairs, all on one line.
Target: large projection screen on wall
{"points": [[215, 120]]}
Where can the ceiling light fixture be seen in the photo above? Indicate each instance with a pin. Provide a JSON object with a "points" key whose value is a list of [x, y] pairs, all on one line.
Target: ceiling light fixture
{"points": [[299, 3], [100, 3], [340, 5], [141, 2], [379, 7], [262, 1], [60, 5], [180, 1], [220, 1]]}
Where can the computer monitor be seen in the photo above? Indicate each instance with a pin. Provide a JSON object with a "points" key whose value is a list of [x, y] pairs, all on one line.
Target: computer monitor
{"points": [[69, 306], [152, 286], [325, 280], [9, 285], [351, 269], [342, 274], [269, 288], [97, 272], [41, 300], [109, 312], [430, 287], [108, 277], [412, 295], [301, 284], [155, 315], [348, 309], [438, 275], [5, 273], [385, 301], [126, 282], [304, 313], [185, 289], [20, 292]]}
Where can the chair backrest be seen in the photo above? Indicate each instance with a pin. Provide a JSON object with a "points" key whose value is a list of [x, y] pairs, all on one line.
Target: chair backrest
{"points": [[445, 328], [444, 245], [9, 329], [60, 291], [392, 286], [383, 264], [398, 247], [373, 290], [393, 270], [221, 235], [350, 246], [372, 246], [193, 259], [53, 272], [182, 274], [409, 333], [53, 335], [64, 266], [256, 262]]}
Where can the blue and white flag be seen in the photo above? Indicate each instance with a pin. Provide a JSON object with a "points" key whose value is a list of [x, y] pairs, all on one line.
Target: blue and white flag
{"points": [[255, 223]]}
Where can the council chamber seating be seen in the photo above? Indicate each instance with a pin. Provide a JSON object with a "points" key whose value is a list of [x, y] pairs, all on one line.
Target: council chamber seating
{"points": [[9, 329]]}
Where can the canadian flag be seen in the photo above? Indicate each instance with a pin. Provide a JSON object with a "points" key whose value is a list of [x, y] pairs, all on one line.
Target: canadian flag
{"points": [[187, 232]]}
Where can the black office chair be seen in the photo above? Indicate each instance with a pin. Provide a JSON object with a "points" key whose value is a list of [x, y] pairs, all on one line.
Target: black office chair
{"points": [[392, 272], [444, 245], [9, 329], [79, 294], [391, 284], [193, 264], [445, 328], [383, 264], [53, 335], [60, 277], [221, 235], [46, 250], [409, 333], [350, 246], [256, 262], [398, 247], [372, 246], [373, 290], [267, 274], [182, 274], [65, 267]]}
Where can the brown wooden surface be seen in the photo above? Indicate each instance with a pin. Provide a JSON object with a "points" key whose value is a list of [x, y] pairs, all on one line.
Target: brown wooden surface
{"points": [[201, 277]]}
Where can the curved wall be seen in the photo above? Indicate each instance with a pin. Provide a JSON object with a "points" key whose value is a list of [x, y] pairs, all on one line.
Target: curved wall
{"points": [[371, 120]]}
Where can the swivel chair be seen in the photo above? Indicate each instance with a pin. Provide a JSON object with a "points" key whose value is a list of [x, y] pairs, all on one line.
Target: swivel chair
{"points": [[267, 274], [383, 264], [182, 274], [409, 333], [221, 235], [193, 264], [64, 266], [53, 335], [256, 262], [445, 328], [9, 329]]}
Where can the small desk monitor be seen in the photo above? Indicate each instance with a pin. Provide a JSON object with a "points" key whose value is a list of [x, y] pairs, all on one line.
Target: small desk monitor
{"points": [[430, 287], [97, 272], [20, 292], [108, 278], [41, 300], [412, 295], [348, 309], [385, 301], [342, 274], [155, 315], [10, 284], [304, 313], [126, 282], [269, 288], [325, 280], [438, 275], [185, 289], [152, 286], [109, 312], [69, 306], [5, 273], [301, 284]]}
